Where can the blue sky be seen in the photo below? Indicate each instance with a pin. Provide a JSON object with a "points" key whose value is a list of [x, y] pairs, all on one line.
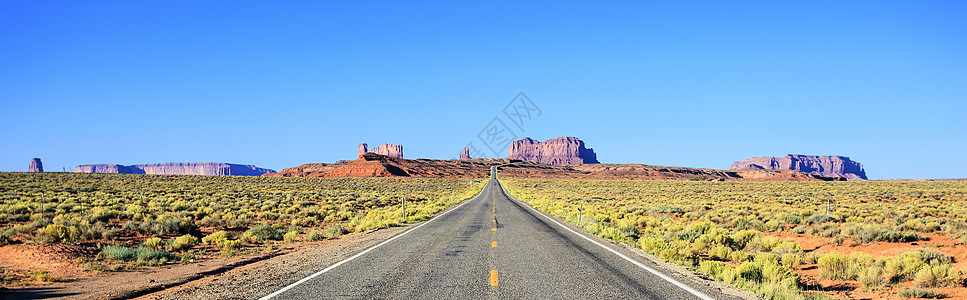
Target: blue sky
{"points": [[698, 84]]}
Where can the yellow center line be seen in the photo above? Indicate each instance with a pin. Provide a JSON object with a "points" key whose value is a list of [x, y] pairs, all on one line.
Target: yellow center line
{"points": [[493, 229], [493, 277], [493, 244]]}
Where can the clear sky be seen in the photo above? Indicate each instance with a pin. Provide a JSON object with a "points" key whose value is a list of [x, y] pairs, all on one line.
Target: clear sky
{"points": [[678, 83]]}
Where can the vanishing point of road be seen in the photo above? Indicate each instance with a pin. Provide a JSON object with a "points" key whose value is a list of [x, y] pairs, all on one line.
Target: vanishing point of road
{"points": [[494, 247]]}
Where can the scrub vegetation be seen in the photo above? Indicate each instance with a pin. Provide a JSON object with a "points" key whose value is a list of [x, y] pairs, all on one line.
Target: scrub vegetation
{"points": [[143, 220], [753, 234]]}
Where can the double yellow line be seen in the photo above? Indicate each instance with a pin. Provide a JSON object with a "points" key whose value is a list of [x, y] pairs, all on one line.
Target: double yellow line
{"points": [[493, 244]]}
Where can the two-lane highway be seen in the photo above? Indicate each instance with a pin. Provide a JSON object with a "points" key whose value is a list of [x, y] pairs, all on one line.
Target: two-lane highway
{"points": [[490, 246]]}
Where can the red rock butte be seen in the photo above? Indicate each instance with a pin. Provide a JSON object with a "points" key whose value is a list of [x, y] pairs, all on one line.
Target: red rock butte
{"points": [[830, 166], [556, 151], [385, 149]]}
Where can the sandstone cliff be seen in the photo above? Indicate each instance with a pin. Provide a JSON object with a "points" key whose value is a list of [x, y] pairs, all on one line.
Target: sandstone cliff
{"points": [[35, 165], [212, 168], [556, 151], [385, 149], [829, 166], [465, 155]]}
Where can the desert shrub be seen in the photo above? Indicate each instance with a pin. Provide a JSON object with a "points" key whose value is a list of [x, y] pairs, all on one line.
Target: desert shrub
{"points": [[791, 260], [868, 235], [820, 218], [183, 242], [743, 237], [314, 236], [94, 267], [811, 257], [870, 277], [934, 257], [217, 238], [720, 252], [168, 225], [154, 243], [333, 232], [687, 235], [44, 277], [231, 245], [261, 233], [921, 293], [800, 229], [128, 253], [902, 267], [5, 235], [937, 276], [290, 236], [209, 221], [56, 233], [839, 266], [750, 271]]}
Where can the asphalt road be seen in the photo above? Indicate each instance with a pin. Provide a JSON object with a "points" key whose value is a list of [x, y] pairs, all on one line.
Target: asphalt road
{"points": [[465, 254]]}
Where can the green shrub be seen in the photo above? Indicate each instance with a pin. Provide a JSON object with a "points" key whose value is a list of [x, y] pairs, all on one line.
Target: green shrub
{"points": [[868, 235], [921, 293], [183, 242], [821, 218], [154, 243], [839, 266], [870, 277], [937, 276], [217, 238], [44, 277], [333, 232], [139, 253], [791, 260], [314, 236], [261, 233], [56, 233], [290, 236], [902, 267], [230, 245], [750, 271]]}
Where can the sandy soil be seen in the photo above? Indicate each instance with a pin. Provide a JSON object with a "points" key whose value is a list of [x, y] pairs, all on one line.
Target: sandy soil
{"points": [[852, 289]]}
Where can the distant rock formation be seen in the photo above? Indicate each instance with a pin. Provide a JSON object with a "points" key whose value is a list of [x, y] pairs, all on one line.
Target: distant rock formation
{"points": [[35, 165], [556, 151], [385, 149], [211, 168], [465, 155], [830, 166]]}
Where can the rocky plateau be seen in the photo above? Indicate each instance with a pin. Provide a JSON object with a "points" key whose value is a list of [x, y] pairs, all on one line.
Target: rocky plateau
{"points": [[208, 168], [829, 166], [556, 151]]}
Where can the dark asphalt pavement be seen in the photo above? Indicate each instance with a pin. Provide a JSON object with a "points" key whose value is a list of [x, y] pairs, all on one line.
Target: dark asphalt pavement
{"points": [[460, 255]]}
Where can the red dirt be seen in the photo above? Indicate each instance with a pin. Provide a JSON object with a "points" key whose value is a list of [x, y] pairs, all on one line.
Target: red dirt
{"points": [[57, 259], [854, 290]]}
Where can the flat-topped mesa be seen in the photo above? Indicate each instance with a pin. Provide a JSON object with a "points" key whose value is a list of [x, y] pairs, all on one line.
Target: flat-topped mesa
{"points": [[556, 151], [210, 168], [35, 165], [830, 165], [385, 149]]}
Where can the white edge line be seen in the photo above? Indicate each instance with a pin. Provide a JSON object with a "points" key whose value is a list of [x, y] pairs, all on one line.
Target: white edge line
{"points": [[290, 286], [653, 271]]}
